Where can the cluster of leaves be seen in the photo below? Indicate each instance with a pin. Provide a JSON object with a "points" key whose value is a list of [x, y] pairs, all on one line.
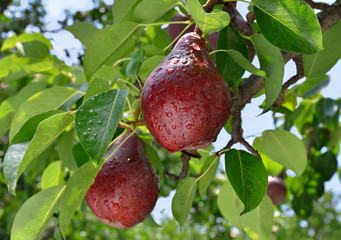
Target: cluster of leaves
{"points": [[63, 118]]}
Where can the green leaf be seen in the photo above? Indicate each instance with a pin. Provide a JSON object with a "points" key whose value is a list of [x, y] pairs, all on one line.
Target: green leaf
{"points": [[79, 154], [40, 103], [12, 160], [247, 176], [271, 61], [326, 110], [75, 191], [96, 86], [148, 65], [34, 49], [123, 10], [183, 199], [65, 143], [272, 168], [149, 221], [155, 160], [29, 128], [53, 175], [230, 205], [9, 106], [83, 31], [321, 62], [33, 216], [326, 165], [229, 38], [207, 22], [302, 204], [148, 11], [11, 42], [107, 46], [335, 138], [284, 148], [134, 64], [48, 130], [209, 170], [243, 62], [258, 223], [289, 24], [97, 119], [14, 67], [108, 73]]}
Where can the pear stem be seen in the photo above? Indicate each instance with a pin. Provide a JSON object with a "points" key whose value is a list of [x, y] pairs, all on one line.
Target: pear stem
{"points": [[185, 157], [197, 30]]}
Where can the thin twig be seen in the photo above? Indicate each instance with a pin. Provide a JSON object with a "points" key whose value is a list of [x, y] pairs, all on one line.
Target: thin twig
{"points": [[250, 148], [171, 175], [299, 74], [185, 158]]}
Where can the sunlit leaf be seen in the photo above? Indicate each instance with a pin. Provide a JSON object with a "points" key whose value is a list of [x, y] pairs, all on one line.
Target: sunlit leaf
{"points": [[260, 220], [207, 22], [22, 154], [40, 103], [147, 11], [284, 148], [271, 61], [183, 199], [83, 31], [75, 191], [230, 205], [209, 170], [107, 46], [33, 216], [53, 175]]}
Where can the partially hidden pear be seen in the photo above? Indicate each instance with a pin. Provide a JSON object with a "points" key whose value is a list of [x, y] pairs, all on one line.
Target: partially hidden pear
{"points": [[126, 188], [186, 101]]}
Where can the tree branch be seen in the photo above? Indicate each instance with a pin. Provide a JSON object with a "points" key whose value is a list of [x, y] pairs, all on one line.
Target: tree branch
{"points": [[208, 6], [319, 5]]}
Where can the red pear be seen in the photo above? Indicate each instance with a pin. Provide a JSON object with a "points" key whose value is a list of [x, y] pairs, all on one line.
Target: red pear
{"points": [[126, 188], [277, 190], [186, 100]]}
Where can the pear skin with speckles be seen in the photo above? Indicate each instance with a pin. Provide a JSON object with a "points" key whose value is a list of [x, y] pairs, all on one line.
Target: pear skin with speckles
{"points": [[126, 188], [186, 101]]}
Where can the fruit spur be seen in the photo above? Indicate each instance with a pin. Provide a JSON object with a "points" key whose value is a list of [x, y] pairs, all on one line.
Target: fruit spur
{"points": [[186, 101]]}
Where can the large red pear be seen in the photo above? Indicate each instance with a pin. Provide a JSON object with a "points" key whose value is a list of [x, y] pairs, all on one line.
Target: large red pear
{"points": [[186, 100], [126, 188]]}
